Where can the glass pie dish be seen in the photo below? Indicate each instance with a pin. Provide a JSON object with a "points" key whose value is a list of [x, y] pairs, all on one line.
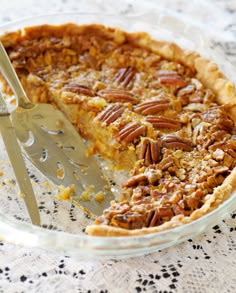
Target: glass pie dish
{"points": [[62, 224]]}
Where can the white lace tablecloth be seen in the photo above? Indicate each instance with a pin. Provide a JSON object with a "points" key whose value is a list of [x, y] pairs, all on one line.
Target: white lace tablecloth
{"points": [[205, 264]]}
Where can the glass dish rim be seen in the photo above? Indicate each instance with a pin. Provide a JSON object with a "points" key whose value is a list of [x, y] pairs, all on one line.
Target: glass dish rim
{"points": [[99, 242]]}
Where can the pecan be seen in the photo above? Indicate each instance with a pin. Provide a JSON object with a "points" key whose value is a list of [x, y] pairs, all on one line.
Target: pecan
{"points": [[183, 94], [189, 89], [150, 151], [208, 97], [200, 134], [218, 154], [152, 218], [78, 89], [155, 216], [220, 118], [225, 123], [179, 210], [163, 122], [152, 106], [176, 142], [110, 114], [166, 163], [130, 132], [219, 134], [129, 220], [135, 180], [124, 76], [228, 147], [140, 192], [221, 170], [116, 208], [171, 78], [115, 95]]}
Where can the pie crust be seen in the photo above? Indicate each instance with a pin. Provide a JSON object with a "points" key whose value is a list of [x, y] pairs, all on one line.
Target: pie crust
{"points": [[165, 114]]}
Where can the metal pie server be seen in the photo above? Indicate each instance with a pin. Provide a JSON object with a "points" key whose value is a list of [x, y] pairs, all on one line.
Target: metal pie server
{"points": [[15, 155], [55, 147]]}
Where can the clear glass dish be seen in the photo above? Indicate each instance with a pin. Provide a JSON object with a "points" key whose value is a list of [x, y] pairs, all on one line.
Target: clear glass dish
{"points": [[63, 226]]}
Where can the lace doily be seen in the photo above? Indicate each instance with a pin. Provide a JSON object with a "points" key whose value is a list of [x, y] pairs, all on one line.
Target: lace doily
{"points": [[205, 264]]}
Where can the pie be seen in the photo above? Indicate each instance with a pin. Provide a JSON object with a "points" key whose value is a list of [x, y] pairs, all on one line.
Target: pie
{"points": [[165, 114]]}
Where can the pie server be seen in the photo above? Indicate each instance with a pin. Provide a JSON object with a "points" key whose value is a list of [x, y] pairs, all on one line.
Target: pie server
{"points": [[15, 155], [54, 146]]}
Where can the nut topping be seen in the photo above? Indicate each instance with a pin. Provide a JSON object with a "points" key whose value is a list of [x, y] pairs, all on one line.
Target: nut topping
{"points": [[130, 132], [152, 106], [115, 95], [78, 89], [176, 142], [150, 151], [111, 113], [171, 78], [124, 76], [163, 122]]}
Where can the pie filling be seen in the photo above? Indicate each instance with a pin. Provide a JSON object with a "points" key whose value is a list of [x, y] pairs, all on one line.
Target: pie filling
{"points": [[165, 114]]}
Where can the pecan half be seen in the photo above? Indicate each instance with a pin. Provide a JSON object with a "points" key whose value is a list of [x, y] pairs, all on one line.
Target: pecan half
{"points": [[152, 106], [131, 131], [124, 76], [163, 122], [111, 113], [78, 89], [115, 95], [176, 142], [171, 78], [150, 151], [135, 180]]}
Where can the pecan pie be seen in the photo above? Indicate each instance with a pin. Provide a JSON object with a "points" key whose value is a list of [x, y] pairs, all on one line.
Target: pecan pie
{"points": [[165, 114]]}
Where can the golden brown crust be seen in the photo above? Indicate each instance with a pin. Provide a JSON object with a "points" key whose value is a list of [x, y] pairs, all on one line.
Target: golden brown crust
{"points": [[220, 194], [132, 123]]}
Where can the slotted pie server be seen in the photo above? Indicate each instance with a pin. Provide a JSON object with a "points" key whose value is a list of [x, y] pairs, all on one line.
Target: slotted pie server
{"points": [[54, 146]]}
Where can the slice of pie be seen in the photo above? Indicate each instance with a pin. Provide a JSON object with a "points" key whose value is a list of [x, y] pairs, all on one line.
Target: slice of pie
{"points": [[164, 114]]}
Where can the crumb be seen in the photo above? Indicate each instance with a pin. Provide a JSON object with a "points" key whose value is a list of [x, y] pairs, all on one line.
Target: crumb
{"points": [[60, 173], [107, 187], [86, 195], [100, 196], [9, 181], [65, 192], [46, 184], [21, 194]]}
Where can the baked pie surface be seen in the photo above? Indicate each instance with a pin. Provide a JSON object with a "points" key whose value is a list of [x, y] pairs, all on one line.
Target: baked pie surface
{"points": [[165, 114]]}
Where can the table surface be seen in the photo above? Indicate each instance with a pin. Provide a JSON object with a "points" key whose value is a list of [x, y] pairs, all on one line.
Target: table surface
{"points": [[205, 264]]}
